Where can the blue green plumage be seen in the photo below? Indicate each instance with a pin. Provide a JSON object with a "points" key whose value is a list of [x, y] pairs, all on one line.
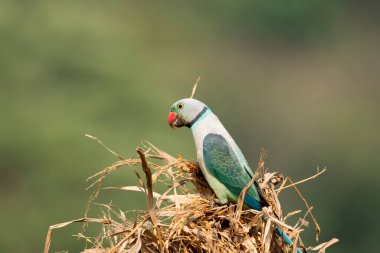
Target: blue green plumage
{"points": [[220, 159], [222, 162]]}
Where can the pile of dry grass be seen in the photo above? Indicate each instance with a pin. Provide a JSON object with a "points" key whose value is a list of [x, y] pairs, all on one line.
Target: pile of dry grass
{"points": [[187, 217]]}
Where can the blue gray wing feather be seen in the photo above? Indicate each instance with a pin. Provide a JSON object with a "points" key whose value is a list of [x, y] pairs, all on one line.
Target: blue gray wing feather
{"points": [[224, 165]]}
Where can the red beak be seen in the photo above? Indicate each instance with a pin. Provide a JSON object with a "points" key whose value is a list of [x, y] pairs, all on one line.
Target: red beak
{"points": [[172, 117]]}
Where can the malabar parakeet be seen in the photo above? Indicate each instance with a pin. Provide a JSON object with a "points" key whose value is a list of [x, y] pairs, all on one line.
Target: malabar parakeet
{"points": [[220, 159]]}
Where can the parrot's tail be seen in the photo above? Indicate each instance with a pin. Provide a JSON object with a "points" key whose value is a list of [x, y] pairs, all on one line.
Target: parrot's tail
{"points": [[286, 238]]}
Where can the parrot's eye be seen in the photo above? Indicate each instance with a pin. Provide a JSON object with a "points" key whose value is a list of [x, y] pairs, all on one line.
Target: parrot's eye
{"points": [[180, 106]]}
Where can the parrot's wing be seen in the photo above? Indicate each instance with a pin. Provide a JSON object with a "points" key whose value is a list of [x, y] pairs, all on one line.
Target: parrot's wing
{"points": [[224, 165]]}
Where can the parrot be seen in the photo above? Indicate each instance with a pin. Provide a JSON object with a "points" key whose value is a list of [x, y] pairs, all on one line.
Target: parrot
{"points": [[221, 161]]}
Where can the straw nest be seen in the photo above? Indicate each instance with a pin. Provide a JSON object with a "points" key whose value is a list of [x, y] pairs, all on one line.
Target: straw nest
{"points": [[187, 216]]}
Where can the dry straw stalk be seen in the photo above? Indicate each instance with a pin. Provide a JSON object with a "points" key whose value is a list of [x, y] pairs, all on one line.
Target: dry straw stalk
{"points": [[187, 216]]}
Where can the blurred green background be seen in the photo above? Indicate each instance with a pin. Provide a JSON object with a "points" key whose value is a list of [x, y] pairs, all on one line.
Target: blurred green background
{"points": [[298, 78]]}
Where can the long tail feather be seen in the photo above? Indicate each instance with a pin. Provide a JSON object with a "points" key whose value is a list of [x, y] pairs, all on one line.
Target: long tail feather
{"points": [[286, 238]]}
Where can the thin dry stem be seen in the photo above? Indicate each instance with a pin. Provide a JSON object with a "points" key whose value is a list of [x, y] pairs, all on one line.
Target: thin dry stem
{"points": [[186, 217], [195, 87]]}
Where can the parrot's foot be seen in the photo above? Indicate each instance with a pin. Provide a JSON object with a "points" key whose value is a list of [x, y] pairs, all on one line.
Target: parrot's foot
{"points": [[218, 202]]}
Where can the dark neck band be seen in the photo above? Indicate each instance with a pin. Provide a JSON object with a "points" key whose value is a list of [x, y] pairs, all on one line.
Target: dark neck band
{"points": [[191, 123]]}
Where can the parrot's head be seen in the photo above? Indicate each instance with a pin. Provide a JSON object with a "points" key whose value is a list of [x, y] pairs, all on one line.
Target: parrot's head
{"points": [[185, 112]]}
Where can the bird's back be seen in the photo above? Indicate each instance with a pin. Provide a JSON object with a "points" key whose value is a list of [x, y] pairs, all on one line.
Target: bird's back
{"points": [[220, 158]]}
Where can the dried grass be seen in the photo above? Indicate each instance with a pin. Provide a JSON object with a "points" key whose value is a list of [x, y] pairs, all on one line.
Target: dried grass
{"points": [[187, 216]]}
